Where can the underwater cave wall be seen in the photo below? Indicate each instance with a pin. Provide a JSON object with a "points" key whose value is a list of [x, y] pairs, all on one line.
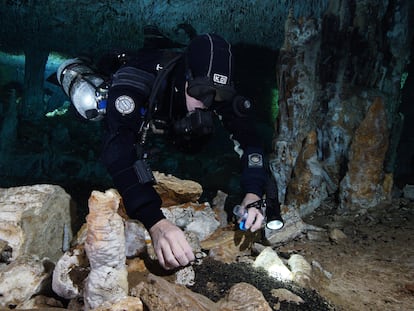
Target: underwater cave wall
{"points": [[339, 81]]}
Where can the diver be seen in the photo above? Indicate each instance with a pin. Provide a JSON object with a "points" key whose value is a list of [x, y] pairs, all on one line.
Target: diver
{"points": [[178, 93]]}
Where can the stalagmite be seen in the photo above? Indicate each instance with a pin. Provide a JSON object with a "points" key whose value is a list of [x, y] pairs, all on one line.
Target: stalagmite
{"points": [[105, 248]]}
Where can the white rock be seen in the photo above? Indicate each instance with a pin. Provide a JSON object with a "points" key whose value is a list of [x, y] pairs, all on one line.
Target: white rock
{"points": [[270, 261], [105, 248], [200, 220], [35, 219], [23, 278], [185, 276], [62, 284]]}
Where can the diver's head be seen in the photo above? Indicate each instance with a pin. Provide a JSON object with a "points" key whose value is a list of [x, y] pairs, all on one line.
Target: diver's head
{"points": [[209, 70]]}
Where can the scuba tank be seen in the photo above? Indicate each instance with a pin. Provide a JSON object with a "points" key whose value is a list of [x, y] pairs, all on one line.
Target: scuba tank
{"points": [[87, 90]]}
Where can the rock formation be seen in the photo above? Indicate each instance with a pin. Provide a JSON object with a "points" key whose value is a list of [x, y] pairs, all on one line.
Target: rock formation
{"points": [[329, 72], [36, 220], [95, 272], [105, 248], [362, 186]]}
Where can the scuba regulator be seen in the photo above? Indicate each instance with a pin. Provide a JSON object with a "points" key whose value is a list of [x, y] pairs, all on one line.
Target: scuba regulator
{"points": [[198, 122]]}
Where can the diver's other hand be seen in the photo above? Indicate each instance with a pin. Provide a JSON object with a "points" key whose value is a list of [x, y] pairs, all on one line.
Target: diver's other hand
{"points": [[170, 245], [255, 217]]}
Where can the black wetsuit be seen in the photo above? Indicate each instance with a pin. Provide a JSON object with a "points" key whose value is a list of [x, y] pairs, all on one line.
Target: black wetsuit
{"points": [[119, 154]]}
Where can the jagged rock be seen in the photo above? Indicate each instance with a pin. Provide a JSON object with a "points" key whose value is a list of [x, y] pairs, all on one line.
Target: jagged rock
{"points": [[105, 248], [175, 191], [226, 244], [298, 109], [35, 220], [243, 297], [23, 278], [69, 274], [270, 261], [362, 187], [161, 295], [194, 217]]}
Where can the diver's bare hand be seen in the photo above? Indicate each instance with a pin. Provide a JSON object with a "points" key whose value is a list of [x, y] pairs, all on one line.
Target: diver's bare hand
{"points": [[255, 217], [170, 245]]}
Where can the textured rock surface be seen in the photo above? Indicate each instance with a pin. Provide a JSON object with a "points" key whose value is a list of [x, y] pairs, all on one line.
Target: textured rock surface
{"points": [[362, 186], [329, 70], [23, 278], [296, 79], [67, 281], [159, 294], [244, 297], [194, 217], [35, 220], [307, 187], [105, 248], [175, 191], [226, 244], [124, 304]]}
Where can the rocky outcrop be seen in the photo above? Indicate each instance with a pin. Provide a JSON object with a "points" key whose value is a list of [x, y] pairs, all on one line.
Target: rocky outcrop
{"points": [[329, 71], [23, 278], [175, 191], [35, 220], [362, 186], [307, 187], [96, 273]]}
